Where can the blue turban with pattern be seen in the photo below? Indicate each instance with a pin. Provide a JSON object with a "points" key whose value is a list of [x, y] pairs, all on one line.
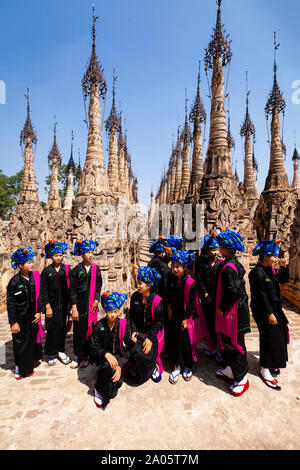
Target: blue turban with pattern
{"points": [[84, 246], [53, 248], [175, 242], [158, 246], [209, 242], [267, 247], [21, 256], [231, 240], [183, 257], [148, 275], [112, 301]]}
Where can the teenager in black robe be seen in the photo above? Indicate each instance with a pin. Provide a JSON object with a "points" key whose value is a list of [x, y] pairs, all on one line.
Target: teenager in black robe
{"points": [[179, 347], [56, 301], [109, 350], [233, 292], [144, 352], [80, 301], [24, 314], [267, 311], [205, 271]]}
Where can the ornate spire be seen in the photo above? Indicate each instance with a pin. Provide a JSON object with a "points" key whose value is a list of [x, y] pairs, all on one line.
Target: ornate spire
{"points": [[70, 185], [178, 151], [275, 99], [28, 130], [113, 120], [54, 153], [220, 44], [186, 137], [94, 71], [71, 163], [79, 170], [296, 178], [54, 158], [198, 112], [247, 126]]}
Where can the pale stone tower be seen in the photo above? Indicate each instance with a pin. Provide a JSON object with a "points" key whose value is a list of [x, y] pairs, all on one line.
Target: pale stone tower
{"points": [[178, 151], [69, 198], [186, 170], [54, 160], [112, 126], [296, 179], [28, 194]]}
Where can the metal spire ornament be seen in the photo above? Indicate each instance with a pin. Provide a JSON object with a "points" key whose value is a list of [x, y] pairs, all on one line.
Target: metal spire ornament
{"points": [[220, 44], [198, 111], [28, 130]]}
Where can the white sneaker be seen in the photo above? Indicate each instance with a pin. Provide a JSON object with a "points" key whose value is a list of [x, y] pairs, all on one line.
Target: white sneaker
{"points": [[98, 399], [187, 374], [51, 361], [156, 375], [174, 376], [17, 373], [63, 358], [74, 363]]}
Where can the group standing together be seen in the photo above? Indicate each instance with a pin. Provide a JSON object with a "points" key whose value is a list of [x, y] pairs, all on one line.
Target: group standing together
{"points": [[179, 301]]}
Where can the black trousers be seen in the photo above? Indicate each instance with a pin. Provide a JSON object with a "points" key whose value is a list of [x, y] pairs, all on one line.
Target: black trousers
{"points": [[80, 344], [104, 384], [180, 352], [26, 350], [234, 358], [56, 333], [273, 346], [142, 365]]}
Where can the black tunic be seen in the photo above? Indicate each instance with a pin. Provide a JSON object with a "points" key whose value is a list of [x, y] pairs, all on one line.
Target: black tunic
{"points": [[79, 295], [21, 302], [161, 266], [55, 293], [233, 290], [105, 340], [265, 299], [142, 365], [179, 348]]}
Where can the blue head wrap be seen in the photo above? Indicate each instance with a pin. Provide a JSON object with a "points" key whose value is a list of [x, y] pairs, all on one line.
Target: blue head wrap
{"points": [[175, 242], [158, 246], [21, 256], [267, 247], [209, 242], [148, 275], [231, 240], [183, 257], [53, 248], [112, 301], [84, 246]]}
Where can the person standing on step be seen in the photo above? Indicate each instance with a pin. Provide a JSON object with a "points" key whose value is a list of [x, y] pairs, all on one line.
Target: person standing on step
{"points": [[267, 310], [85, 291], [24, 308], [55, 288], [232, 313]]}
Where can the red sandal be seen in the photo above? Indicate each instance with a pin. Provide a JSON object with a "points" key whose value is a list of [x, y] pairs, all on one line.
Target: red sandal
{"points": [[245, 388], [273, 382]]}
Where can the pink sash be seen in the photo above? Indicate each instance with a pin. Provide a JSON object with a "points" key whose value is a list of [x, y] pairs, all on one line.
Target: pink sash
{"points": [[69, 314], [37, 283], [93, 316], [227, 324], [287, 330], [160, 335], [122, 328], [197, 328]]}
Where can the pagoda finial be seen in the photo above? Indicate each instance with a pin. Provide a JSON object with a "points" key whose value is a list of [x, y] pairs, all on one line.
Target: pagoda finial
{"points": [[71, 164], [186, 133], [28, 130], [54, 152], [275, 99], [198, 110], [219, 44], [113, 119], [247, 126], [230, 139], [94, 72]]}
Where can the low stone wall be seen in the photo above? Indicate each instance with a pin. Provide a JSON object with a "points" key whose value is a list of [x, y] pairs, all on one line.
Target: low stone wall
{"points": [[291, 292]]}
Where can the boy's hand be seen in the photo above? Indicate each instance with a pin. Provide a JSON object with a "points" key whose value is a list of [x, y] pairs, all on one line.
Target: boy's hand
{"points": [[37, 318], [75, 314], [272, 319], [111, 360], [117, 375], [49, 311], [15, 328], [183, 325], [134, 337], [147, 345], [219, 312], [95, 305]]}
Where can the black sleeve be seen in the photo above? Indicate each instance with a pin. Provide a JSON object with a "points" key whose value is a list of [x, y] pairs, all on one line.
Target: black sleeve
{"points": [[231, 289], [98, 284], [40, 302], [199, 277], [73, 282], [11, 304], [132, 319], [191, 307], [258, 286], [158, 322], [283, 275], [44, 288], [97, 350], [127, 336]]}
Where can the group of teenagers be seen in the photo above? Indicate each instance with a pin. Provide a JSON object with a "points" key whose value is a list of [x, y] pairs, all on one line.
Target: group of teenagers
{"points": [[180, 300]]}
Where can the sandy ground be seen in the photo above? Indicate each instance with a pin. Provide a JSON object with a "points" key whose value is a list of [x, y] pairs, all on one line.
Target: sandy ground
{"points": [[54, 409]]}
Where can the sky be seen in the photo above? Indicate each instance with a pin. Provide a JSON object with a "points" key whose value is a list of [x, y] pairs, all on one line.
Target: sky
{"points": [[155, 47]]}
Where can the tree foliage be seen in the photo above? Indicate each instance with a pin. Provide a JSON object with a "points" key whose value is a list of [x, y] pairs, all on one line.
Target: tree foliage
{"points": [[10, 187]]}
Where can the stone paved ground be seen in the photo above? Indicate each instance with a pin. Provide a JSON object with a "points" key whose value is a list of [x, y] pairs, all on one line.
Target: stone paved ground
{"points": [[54, 409]]}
